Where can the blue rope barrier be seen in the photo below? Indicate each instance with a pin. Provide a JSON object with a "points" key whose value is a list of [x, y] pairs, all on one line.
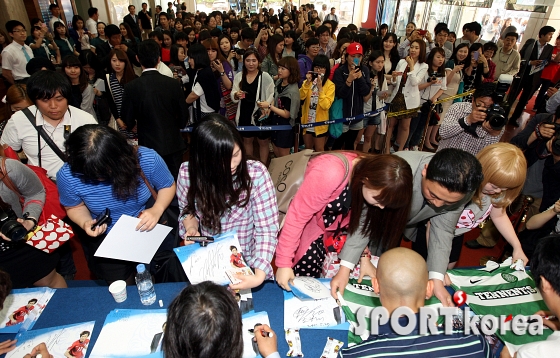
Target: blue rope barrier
{"points": [[286, 127]]}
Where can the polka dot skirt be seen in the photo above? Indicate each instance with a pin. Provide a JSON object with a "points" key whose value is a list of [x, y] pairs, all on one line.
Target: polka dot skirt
{"points": [[311, 264]]}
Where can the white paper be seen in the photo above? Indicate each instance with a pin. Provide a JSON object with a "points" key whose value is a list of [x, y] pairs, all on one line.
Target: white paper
{"points": [[125, 243], [309, 288], [313, 313], [14, 306], [99, 85]]}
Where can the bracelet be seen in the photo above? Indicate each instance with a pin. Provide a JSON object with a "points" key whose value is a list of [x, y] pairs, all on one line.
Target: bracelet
{"points": [[222, 73], [348, 82], [269, 106], [538, 132]]}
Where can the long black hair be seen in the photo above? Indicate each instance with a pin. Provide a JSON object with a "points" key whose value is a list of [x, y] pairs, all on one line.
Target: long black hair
{"points": [[213, 188], [74, 61], [454, 58], [394, 54], [380, 74], [199, 55], [91, 154]]}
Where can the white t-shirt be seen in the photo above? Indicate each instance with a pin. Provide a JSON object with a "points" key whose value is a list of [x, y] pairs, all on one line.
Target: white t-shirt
{"points": [[431, 91], [197, 89], [20, 134], [53, 20], [13, 59], [91, 25], [543, 349]]}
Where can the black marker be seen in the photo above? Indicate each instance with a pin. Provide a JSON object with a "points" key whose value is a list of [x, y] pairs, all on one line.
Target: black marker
{"points": [[264, 333]]}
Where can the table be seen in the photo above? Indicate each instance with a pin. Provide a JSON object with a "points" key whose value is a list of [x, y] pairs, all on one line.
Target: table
{"points": [[93, 302]]}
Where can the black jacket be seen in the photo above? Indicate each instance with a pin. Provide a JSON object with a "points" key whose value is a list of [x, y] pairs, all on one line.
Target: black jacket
{"points": [[352, 96], [156, 104], [133, 25]]}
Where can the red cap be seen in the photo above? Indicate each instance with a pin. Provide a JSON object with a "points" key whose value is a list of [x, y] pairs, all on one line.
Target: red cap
{"points": [[354, 48]]}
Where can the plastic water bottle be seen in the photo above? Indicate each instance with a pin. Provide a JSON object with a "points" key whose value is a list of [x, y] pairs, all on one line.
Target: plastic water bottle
{"points": [[145, 285]]}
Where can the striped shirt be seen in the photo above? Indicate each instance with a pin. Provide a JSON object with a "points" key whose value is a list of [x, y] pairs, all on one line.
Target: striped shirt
{"points": [[117, 90], [388, 343], [99, 195], [256, 223]]}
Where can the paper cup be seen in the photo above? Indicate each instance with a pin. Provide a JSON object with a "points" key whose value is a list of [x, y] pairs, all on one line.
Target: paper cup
{"points": [[118, 290]]}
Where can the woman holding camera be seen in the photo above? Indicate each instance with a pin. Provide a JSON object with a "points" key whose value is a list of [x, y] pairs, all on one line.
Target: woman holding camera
{"points": [[406, 94], [205, 95], [250, 87], [104, 172], [317, 94], [224, 77], [434, 83], [26, 265]]}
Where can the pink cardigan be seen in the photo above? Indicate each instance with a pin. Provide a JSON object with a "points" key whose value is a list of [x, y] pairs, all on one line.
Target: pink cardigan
{"points": [[322, 183]]}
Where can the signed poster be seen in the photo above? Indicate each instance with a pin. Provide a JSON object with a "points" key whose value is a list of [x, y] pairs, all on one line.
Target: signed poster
{"points": [[321, 313], [217, 262]]}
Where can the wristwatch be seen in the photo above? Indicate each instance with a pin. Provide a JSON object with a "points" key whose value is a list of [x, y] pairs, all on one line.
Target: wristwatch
{"points": [[222, 73]]}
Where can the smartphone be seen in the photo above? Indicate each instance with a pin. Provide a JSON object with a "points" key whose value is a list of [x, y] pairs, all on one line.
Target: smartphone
{"points": [[102, 218], [422, 32], [356, 61], [475, 55]]}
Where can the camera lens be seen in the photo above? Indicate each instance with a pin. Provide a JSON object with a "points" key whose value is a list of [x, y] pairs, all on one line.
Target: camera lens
{"points": [[495, 116], [13, 230]]}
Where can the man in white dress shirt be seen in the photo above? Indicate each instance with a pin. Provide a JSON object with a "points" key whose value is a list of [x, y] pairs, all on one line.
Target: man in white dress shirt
{"points": [[16, 55]]}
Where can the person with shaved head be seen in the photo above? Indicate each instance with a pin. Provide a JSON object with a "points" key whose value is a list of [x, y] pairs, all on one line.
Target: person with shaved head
{"points": [[402, 281]]}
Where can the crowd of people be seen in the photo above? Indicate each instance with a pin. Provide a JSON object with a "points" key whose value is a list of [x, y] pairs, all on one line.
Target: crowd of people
{"points": [[101, 107]]}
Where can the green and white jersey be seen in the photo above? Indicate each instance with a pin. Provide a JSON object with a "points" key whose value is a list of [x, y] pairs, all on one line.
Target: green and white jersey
{"points": [[358, 295], [500, 291]]}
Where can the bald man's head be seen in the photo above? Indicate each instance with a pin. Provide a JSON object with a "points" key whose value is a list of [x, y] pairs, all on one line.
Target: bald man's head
{"points": [[402, 278]]}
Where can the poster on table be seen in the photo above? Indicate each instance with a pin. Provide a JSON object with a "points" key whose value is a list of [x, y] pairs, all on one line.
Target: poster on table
{"points": [[218, 262], [250, 320], [306, 312], [62, 341], [23, 307], [131, 333]]}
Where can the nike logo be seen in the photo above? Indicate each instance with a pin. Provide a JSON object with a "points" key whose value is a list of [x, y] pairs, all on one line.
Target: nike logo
{"points": [[475, 281]]}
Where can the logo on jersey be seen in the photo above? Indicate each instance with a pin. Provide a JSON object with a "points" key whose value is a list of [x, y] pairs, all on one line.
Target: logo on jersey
{"points": [[509, 277], [499, 294]]}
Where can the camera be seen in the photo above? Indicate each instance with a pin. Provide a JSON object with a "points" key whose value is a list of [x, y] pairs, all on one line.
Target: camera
{"points": [[314, 75], [10, 227], [496, 117], [240, 51], [432, 77]]}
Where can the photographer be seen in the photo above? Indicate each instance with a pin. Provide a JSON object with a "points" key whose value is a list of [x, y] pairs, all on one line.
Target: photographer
{"points": [[533, 141], [467, 126], [26, 265]]}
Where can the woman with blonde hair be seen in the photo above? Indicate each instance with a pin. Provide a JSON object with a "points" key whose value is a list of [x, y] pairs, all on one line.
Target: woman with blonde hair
{"points": [[504, 167]]}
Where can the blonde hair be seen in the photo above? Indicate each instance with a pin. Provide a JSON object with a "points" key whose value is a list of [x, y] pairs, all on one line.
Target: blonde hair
{"points": [[504, 166]]}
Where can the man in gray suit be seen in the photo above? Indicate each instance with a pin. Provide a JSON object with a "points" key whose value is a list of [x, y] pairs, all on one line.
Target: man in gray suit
{"points": [[443, 184]]}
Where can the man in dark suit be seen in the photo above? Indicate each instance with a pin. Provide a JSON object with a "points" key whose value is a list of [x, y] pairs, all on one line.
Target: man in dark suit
{"points": [[533, 53], [133, 21], [156, 341], [114, 41], [156, 104]]}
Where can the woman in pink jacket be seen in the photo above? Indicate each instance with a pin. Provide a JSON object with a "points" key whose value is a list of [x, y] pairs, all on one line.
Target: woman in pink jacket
{"points": [[372, 198]]}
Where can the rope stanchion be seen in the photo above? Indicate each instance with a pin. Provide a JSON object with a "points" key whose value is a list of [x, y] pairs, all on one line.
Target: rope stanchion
{"points": [[348, 120]]}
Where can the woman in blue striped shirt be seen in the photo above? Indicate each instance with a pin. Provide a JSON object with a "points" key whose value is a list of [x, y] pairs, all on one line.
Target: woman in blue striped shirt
{"points": [[102, 172]]}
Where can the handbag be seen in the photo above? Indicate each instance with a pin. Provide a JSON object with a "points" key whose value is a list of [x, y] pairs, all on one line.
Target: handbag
{"points": [[287, 175], [51, 231], [335, 112]]}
